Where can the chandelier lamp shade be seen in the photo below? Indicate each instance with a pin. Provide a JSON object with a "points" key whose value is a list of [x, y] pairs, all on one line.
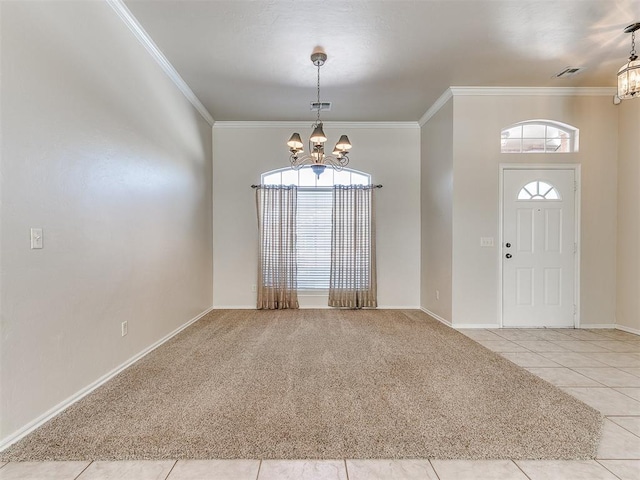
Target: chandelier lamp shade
{"points": [[629, 73], [317, 158]]}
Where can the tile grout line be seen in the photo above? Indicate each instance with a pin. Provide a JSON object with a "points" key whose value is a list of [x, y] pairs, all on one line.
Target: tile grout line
{"points": [[632, 398], [581, 354], [605, 467], [259, 468], [83, 470], [587, 376], [171, 469], [624, 428], [433, 468], [346, 470], [520, 468]]}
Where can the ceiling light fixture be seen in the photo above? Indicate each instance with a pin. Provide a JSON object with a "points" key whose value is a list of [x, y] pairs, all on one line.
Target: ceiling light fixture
{"points": [[316, 156], [629, 73]]}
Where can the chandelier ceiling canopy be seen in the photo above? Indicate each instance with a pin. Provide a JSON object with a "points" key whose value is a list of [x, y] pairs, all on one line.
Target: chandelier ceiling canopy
{"points": [[317, 158]]}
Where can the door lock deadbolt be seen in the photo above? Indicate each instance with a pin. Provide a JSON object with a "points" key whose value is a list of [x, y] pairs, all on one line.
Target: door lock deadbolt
{"points": [[508, 245]]}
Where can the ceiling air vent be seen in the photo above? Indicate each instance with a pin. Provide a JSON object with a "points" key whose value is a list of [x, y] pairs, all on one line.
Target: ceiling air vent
{"points": [[569, 72], [324, 106]]}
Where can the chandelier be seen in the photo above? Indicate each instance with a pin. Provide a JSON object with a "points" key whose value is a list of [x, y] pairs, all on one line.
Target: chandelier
{"points": [[629, 73], [316, 157]]}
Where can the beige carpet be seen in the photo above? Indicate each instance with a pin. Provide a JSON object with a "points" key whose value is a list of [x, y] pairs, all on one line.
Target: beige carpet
{"points": [[319, 384]]}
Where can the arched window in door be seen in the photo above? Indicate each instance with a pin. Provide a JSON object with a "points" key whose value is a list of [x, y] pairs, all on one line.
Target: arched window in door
{"points": [[539, 136], [538, 190]]}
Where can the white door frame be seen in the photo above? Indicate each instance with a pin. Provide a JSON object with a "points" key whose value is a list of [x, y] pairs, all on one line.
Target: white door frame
{"points": [[540, 166]]}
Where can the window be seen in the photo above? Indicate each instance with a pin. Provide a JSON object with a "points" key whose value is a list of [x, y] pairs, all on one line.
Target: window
{"points": [[539, 136], [314, 218], [538, 190]]}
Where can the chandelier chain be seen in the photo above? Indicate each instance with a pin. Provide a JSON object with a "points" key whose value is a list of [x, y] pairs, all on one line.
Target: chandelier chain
{"points": [[318, 116], [633, 44]]}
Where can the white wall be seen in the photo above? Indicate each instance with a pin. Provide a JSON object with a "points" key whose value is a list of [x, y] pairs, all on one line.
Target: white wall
{"points": [[390, 154], [436, 192], [628, 274], [478, 121], [102, 151]]}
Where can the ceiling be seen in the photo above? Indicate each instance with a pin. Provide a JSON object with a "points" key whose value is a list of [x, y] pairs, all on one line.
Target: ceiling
{"points": [[388, 60]]}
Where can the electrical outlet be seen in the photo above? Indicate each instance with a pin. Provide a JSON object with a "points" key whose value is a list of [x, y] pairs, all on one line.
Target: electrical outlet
{"points": [[125, 328], [437, 294]]}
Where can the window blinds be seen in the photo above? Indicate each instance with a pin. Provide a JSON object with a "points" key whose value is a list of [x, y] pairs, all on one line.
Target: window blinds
{"points": [[314, 238]]}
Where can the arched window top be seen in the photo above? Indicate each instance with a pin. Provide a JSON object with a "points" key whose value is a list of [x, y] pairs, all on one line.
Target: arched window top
{"points": [[538, 190], [539, 136], [304, 177]]}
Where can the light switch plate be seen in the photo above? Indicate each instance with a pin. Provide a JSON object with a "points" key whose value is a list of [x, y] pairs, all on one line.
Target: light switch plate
{"points": [[36, 238], [486, 241]]}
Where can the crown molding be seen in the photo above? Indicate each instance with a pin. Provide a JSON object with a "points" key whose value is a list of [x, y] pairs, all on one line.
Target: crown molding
{"points": [[535, 91], [513, 91], [352, 125], [143, 37], [437, 105]]}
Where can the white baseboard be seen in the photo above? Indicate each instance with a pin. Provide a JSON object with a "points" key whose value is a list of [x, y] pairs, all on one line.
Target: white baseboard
{"points": [[628, 329], [303, 307], [42, 419], [610, 326], [397, 307], [379, 307], [234, 307], [475, 325], [437, 317]]}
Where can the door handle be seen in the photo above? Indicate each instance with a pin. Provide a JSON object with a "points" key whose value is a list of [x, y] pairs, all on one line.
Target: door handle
{"points": [[508, 255]]}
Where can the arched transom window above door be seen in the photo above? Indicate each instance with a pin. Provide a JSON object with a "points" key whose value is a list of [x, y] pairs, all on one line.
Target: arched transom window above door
{"points": [[539, 136]]}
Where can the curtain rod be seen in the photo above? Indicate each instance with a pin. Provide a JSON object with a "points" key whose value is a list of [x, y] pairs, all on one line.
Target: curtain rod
{"points": [[374, 186]]}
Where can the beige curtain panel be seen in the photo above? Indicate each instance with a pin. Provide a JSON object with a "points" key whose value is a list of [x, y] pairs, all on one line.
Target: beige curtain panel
{"points": [[277, 265], [352, 281]]}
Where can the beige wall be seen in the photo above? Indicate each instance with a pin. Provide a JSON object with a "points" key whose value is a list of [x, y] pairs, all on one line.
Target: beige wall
{"points": [[476, 158], [628, 281], [390, 154], [436, 200], [102, 151]]}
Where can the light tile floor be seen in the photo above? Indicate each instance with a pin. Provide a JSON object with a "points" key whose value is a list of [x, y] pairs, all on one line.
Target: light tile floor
{"points": [[600, 367]]}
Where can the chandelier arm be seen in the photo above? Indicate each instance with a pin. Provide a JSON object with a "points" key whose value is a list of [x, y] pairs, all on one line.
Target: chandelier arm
{"points": [[298, 162], [330, 160], [338, 163]]}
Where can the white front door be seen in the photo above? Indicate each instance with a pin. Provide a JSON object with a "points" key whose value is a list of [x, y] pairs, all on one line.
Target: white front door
{"points": [[538, 248]]}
